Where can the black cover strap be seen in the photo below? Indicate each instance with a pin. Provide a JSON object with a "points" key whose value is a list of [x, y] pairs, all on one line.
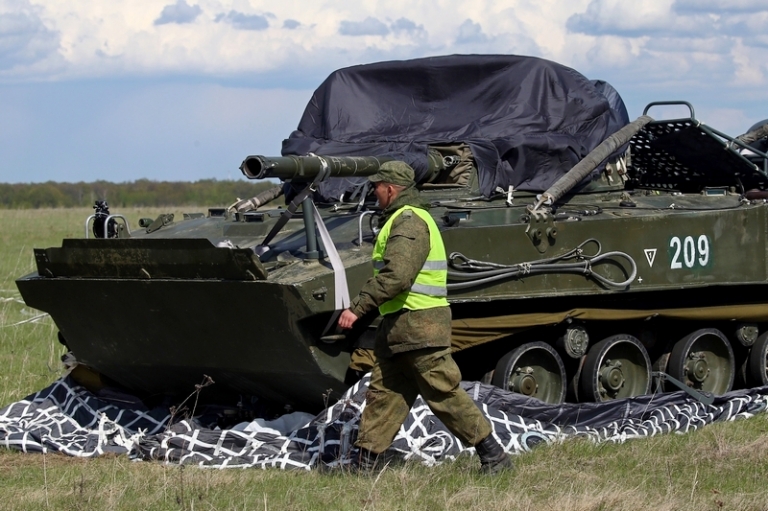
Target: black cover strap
{"points": [[705, 398]]}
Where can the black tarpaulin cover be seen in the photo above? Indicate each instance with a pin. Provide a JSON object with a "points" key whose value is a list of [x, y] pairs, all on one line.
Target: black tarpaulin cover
{"points": [[527, 120]]}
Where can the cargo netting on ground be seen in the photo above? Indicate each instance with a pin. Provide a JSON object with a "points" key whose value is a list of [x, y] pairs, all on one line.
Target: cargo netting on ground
{"points": [[67, 418]]}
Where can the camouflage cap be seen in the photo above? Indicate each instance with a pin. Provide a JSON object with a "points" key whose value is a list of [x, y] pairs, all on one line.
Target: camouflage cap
{"points": [[394, 172]]}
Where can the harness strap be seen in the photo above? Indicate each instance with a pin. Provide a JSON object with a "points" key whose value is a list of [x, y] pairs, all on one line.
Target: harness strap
{"points": [[340, 287]]}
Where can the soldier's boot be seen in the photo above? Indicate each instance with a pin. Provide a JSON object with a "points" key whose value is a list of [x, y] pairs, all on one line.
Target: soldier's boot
{"points": [[493, 459]]}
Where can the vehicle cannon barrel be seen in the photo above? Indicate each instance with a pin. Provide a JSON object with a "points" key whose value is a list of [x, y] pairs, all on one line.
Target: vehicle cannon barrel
{"points": [[308, 167]]}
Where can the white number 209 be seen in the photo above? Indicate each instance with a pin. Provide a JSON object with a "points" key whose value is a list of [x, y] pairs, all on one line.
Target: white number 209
{"points": [[692, 252]]}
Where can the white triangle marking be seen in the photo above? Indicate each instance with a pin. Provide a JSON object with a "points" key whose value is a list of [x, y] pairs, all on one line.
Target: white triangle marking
{"points": [[650, 255]]}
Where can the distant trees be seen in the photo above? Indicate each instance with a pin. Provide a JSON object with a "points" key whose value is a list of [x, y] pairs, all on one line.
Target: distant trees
{"points": [[142, 193]]}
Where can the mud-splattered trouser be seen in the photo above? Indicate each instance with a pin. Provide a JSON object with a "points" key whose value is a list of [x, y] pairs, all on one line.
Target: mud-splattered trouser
{"points": [[395, 384]]}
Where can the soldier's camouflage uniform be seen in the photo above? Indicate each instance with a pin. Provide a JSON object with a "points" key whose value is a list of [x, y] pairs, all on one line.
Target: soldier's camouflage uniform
{"points": [[413, 353]]}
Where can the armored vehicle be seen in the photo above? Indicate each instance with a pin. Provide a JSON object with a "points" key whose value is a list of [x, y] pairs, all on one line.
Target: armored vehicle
{"points": [[590, 258]]}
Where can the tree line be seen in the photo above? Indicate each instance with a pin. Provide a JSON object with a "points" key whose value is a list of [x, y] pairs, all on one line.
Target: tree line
{"points": [[141, 193]]}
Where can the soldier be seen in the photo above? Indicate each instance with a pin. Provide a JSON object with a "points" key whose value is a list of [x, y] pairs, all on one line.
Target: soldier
{"points": [[413, 341]]}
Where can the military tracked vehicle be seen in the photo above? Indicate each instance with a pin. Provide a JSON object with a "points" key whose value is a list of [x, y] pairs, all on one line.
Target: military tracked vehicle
{"points": [[590, 258]]}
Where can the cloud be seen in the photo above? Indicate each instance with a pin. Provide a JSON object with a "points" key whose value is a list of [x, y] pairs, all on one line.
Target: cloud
{"points": [[709, 45], [470, 32], [369, 26], [747, 26], [291, 24], [612, 17], [719, 6], [244, 21], [24, 39], [699, 19], [406, 25], [180, 12], [607, 17]]}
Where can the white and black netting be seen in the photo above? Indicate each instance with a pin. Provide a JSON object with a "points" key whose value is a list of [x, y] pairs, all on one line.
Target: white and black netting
{"points": [[65, 417]]}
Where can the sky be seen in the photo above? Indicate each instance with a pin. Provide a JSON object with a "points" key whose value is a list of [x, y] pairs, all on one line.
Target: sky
{"points": [[182, 90]]}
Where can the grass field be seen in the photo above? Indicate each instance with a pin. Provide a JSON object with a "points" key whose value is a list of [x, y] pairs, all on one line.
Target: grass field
{"points": [[724, 466]]}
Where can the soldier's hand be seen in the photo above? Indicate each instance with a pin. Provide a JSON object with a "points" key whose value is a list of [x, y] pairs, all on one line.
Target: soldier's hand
{"points": [[347, 318]]}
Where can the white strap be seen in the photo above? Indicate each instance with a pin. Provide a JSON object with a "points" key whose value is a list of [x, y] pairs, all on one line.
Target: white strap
{"points": [[341, 289]]}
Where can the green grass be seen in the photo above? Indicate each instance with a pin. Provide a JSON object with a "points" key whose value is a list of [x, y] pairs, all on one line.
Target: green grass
{"points": [[723, 466]]}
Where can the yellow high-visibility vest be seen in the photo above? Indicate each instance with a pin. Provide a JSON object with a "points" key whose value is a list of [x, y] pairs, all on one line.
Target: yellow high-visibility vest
{"points": [[429, 289]]}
